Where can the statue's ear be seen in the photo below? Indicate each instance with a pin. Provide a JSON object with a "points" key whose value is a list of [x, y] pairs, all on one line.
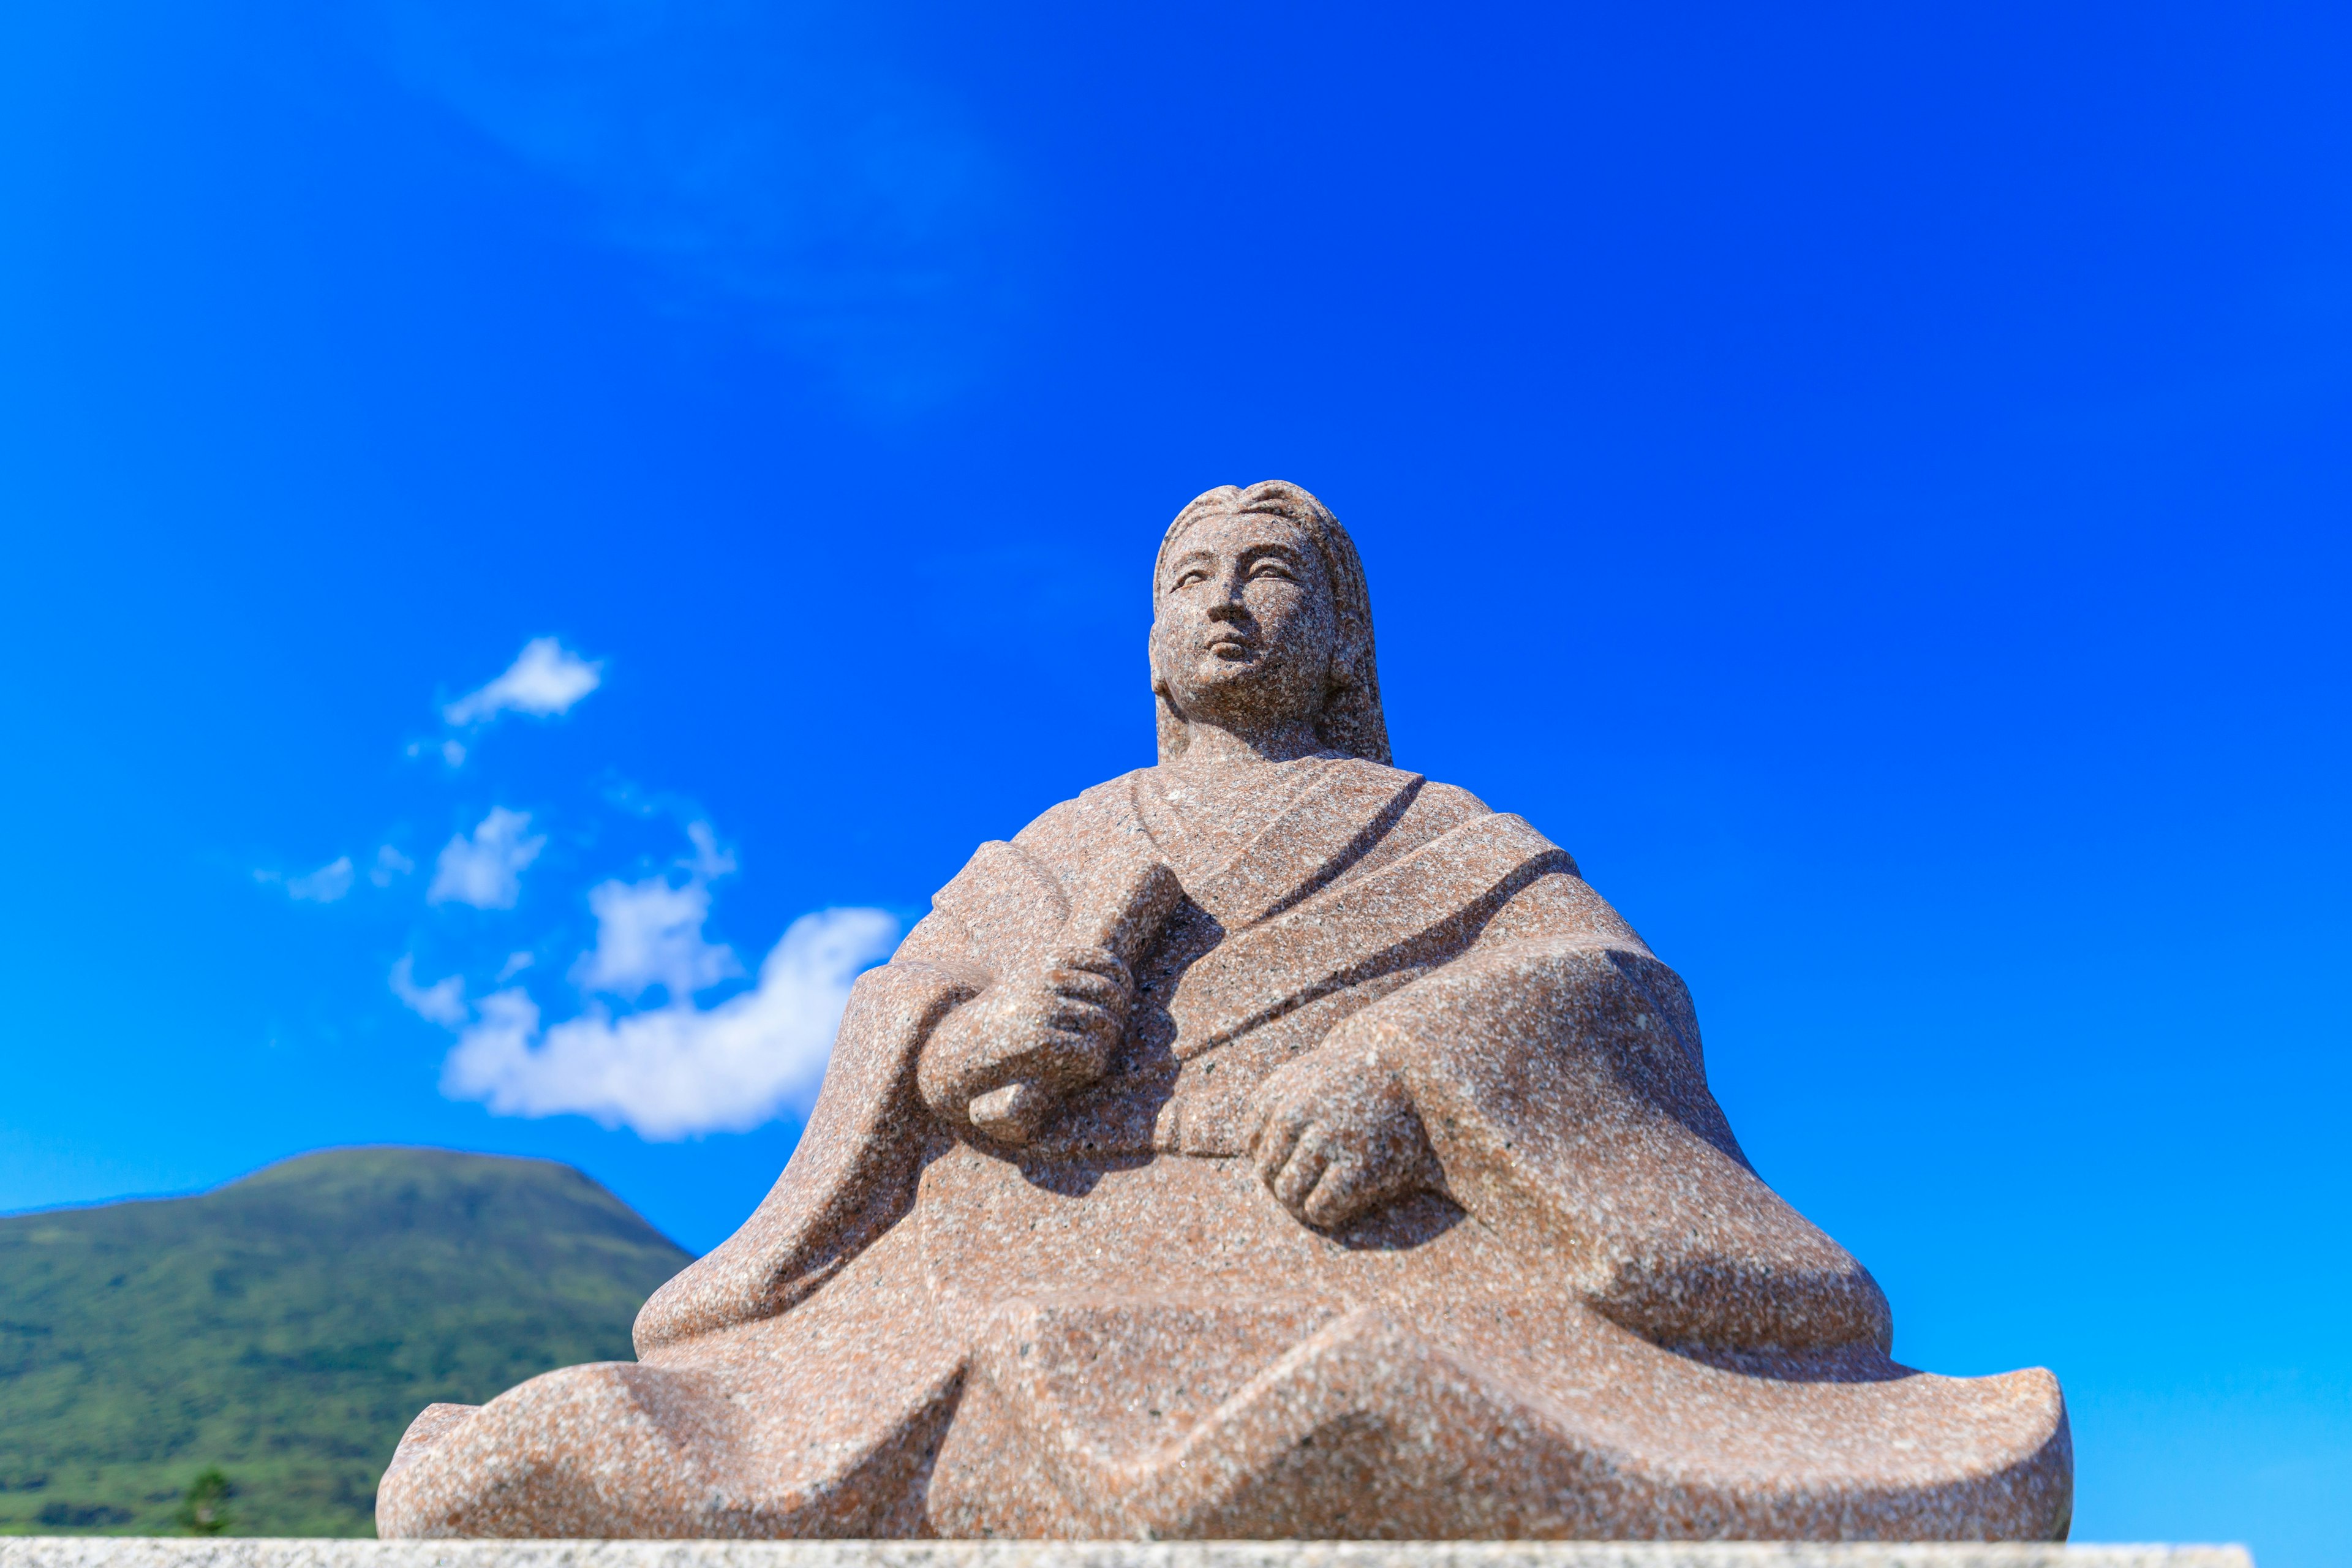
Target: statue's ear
{"points": [[1346, 658]]}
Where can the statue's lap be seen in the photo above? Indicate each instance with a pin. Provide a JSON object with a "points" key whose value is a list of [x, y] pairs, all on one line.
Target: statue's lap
{"points": [[1163, 1287], [1191, 1258]]}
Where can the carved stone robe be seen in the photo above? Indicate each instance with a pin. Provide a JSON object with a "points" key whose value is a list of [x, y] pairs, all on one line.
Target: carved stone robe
{"points": [[1597, 1322]]}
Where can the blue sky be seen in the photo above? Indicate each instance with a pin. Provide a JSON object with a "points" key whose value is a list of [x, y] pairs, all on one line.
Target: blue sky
{"points": [[1870, 481]]}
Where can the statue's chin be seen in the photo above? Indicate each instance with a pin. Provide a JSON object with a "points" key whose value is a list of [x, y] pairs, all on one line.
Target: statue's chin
{"points": [[1241, 693]]}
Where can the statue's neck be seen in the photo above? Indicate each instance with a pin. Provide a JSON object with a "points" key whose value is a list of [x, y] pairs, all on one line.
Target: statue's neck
{"points": [[1224, 805], [1213, 748]]}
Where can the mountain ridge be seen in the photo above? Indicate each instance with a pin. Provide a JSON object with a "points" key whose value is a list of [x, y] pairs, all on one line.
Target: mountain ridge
{"points": [[286, 1326]]}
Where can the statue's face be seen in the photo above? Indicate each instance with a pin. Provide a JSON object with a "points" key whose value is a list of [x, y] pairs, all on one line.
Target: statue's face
{"points": [[1245, 626]]}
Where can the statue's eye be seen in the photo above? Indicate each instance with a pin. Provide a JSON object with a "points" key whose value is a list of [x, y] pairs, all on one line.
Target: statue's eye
{"points": [[1271, 568], [1190, 576]]}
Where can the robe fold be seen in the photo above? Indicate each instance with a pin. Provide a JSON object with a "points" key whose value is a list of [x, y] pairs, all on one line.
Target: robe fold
{"points": [[1594, 1311]]}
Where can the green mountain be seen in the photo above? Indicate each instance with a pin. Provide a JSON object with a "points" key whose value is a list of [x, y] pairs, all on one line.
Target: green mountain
{"points": [[286, 1326]]}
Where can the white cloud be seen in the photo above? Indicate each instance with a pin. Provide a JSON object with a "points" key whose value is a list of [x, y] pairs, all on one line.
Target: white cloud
{"points": [[649, 933], [546, 678], [515, 965], [678, 1070], [443, 1002], [485, 870], [389, 863]]}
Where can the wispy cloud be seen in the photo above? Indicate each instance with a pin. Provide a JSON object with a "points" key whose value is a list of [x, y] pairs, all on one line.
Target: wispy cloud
{"points": [[545, 678], [443, 1002], [484, 868], [390, 865], [764, 157], [323, 886], [678, 1070]]}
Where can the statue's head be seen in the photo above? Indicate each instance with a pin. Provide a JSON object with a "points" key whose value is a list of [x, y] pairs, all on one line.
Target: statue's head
{"points": [[1260, 616]]}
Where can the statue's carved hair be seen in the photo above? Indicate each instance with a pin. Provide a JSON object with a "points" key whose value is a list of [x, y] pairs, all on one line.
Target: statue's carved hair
{"points": [[1351, 722]]}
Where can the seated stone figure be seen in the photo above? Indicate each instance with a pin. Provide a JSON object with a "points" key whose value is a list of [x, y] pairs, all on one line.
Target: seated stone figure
{"points": [[1269, 1142]]}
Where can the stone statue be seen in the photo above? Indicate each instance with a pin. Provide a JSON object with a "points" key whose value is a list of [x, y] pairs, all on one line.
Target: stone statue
{"points": [[1268, 1142]]}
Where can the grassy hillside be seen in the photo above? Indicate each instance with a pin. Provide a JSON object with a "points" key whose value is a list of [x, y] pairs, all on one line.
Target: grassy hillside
{"points": [[286, 1326]]}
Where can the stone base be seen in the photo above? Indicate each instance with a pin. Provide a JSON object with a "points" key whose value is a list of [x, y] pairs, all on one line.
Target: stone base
{"points": [[159, 1552]]}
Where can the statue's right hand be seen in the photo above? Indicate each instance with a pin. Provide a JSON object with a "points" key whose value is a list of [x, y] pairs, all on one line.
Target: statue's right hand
{"points": [[1003, 1061]]}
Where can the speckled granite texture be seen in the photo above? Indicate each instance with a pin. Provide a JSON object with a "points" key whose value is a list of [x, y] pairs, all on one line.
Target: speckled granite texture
{"points": [[1270, 1142], [104, 1552]]}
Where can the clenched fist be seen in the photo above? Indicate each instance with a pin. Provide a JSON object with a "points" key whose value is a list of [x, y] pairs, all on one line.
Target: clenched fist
{"points": [[1337, 1135]]}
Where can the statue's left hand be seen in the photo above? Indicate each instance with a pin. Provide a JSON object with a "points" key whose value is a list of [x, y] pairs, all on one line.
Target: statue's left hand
{"points": [[1337, 1135]]}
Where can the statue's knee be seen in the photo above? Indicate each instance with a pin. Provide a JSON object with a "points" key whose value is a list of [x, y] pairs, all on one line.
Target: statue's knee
{"points": [[544, 1458], [557, 1408]]}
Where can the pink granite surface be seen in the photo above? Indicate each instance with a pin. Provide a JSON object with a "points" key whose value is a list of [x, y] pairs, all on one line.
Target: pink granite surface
{"points": [[1268, 1142]]}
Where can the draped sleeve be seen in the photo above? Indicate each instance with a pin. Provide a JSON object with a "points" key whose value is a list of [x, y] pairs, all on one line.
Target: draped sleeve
{"points": [[853, 1174], [1557, 1068]]}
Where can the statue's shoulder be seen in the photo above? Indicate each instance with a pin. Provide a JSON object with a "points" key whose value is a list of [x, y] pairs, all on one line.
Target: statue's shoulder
{"points": [[1088, 811], [1440, 807], [1064, 837]]}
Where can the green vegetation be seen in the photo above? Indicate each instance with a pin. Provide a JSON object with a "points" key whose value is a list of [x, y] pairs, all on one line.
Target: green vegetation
{"points": [[269, 1341]]}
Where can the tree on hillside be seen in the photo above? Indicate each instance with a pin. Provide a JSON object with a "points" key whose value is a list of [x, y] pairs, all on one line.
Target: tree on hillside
{"points": [[204, 1510]]}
